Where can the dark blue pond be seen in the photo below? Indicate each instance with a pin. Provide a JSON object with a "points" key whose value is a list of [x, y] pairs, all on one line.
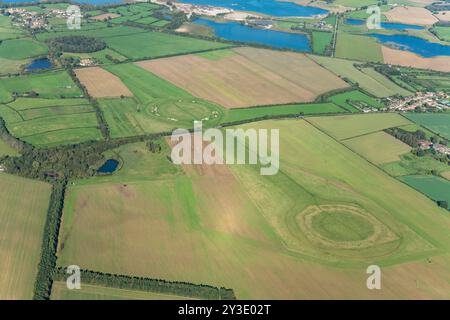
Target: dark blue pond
{"points": [[237, 32], [385, 25], [417, 45], [269, 7], [109, 166], [39, 64]]}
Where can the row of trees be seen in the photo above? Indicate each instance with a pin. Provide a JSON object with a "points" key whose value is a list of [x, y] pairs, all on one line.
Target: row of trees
{"points": [[186, 289], [43, 284]]}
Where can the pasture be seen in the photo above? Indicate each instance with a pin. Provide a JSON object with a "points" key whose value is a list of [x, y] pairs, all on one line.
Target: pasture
{"points": [[355, 101], [156, 44], [241, 114], [436, 188], [349, 126], [5, 149], [378, 147], [436, 122], [55, 84], [19, 49], [101, 83], [410, 164], [49, 122], [156, 105], [249, 77], [231, 226], [320, 41], [21, 229], [357, 47], [368, 79]]}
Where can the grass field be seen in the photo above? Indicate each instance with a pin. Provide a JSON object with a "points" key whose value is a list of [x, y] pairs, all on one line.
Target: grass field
{"points": [[410, 164], [91, 292], [306, 109], [320, 41], [356, 47], [378, 147], [5, 149], [371, 81], [434, 187], [443, 32], [49, 122], [349, 126], [21, 228], [437, 122], [154, 44], [249, 77], [21, 49], [156, 106], [355, 101], [231, 226], [56, 84]]}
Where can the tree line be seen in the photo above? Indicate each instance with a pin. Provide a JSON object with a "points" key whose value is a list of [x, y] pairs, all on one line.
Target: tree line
{"points": [[185, 289]]}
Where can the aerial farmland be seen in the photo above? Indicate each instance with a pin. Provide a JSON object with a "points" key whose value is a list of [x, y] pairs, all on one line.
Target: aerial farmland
{"points": [[118, 137]]}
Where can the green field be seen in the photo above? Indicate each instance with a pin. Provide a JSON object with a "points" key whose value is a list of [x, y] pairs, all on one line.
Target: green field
{"points": [[367, 78], [378, 147], [283, 110], [154, 44], [410, 164], [356, 47], [232, 227], [349, 126], [49, 122], [56, 84], [21, 49], [355, 101], [156, 106], [91, 292], [320, 41], [442, 32], [434, 187], [21, 229], [5, 149], [436, 122]]}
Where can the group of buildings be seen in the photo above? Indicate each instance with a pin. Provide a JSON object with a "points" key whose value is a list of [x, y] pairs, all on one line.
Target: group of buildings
{"points": [[421, 100]]}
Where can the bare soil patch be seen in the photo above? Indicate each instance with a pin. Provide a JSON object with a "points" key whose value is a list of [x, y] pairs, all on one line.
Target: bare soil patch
{"points": [[101, 83], [409, 59], [411, 15]]}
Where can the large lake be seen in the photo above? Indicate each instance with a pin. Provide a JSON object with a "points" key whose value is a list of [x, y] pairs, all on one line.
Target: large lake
{"points": [[417, 45], [385, 25], [268, 7], [237, 32]]}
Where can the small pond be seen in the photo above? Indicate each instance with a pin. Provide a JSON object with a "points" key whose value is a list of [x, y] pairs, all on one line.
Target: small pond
{"points": [[39, 64], [109, 166]]}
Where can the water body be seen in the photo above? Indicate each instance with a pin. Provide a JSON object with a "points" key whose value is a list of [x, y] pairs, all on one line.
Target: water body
{"points": [[385, 25], [109, 166], [237, 32], [93, 2], [39, 64], [268, 7], [417, 45]]}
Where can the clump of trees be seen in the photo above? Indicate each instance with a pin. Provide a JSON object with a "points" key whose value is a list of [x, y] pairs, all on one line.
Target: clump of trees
{"points": [[76, 44], [410, 138]]}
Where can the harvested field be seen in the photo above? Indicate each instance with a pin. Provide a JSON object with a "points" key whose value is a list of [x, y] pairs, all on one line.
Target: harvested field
{"points": [[23, 209], [409, 59], [411, 15], [101, 83], [443, 16], [104, 16], [247, 78]]}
